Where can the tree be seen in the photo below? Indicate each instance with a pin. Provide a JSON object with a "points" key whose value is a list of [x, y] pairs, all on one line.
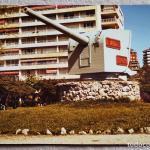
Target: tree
{"points": [[47, 90]]}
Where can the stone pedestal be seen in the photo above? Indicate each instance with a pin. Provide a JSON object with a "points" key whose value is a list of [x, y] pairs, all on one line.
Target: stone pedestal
{"points": [[99, 90]]}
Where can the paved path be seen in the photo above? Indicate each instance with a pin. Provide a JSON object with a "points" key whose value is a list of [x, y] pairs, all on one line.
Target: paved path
{"points": [[76, 139]]}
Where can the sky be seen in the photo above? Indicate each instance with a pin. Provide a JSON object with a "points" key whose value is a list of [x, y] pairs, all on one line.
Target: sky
{"points": [[137, 20]]}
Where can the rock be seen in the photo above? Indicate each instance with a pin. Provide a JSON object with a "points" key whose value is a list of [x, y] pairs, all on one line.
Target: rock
{"points": [[131, 131], [90, 131], [132, 98], [82, 133], [126, 89], [25, 131], [98, 132], [90, 97], [63, 131], [48, 132], [72, 132], [120, 130], [18, 131], [147, 130], [141, 130]]}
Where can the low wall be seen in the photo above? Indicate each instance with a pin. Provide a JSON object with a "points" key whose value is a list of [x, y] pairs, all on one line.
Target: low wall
{"points": [[98, 90]]}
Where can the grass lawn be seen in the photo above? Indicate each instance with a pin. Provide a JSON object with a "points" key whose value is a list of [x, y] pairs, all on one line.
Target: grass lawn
{"points": [[76, 116]]}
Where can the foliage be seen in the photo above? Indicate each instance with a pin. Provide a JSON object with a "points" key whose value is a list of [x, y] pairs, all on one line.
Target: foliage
{"points": [[47, 90], [31, 80], [18, 88]]}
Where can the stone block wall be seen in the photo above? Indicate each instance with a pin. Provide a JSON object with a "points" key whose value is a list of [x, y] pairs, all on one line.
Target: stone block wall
{"points": [[98, 90]]}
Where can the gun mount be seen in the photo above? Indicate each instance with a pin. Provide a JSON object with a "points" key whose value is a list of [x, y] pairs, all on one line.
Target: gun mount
{"points": [[95, 52]]}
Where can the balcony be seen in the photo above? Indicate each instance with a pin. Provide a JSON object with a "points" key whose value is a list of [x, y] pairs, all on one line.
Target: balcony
{"points": [[44, 66], [109, 20], [10, 25], [112, 22], [49, 11], [9, 57], [112, 11], [49, 55], [9, 68], [32, 45], [33, 55]]}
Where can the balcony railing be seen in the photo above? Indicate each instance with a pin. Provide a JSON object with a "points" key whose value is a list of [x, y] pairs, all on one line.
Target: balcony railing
{"points": [[38, 63], [108, 9], [109, 20], [8, 65]]}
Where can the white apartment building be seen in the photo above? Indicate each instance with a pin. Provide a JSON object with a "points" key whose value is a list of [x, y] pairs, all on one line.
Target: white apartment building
{"points": [[28, 47], [146, 57]]}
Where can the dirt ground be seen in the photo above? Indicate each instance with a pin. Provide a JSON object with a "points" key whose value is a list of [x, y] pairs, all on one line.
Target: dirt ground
{"points": [[76, 139]]}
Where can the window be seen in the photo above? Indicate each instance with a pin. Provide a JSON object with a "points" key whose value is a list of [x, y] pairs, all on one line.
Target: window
{"points": [[27, 19], [63, 49], [12, 41], [28, 51], [41, 39], [12, 62], [41, 29], [28, 30], [88, 24], [90, 13], [28, 40], [63, 59], [68, 15], [28, 72], [12, 20]]}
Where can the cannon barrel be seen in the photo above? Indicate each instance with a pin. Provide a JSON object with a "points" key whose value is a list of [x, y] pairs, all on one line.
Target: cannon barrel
{"points": [[75, 36]]}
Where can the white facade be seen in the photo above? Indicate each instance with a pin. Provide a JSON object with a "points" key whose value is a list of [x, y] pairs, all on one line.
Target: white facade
{"points": [[146, 57], [31, 48]]}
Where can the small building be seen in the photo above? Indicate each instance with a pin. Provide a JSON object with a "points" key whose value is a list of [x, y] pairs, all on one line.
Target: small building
{"points": [[134, 63]]}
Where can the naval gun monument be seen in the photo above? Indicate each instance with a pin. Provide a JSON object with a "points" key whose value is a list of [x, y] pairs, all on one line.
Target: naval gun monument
{"points": [[97, 55]]}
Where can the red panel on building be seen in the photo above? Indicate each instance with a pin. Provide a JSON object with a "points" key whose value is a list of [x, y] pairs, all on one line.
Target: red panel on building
{"points": [[121, 60], [113, 43]]}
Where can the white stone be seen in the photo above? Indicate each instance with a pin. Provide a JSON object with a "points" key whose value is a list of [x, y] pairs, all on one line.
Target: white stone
{"points": [[98, 132], [141, 130], [132, 98], [147, 130], [48, 132], [72, 132], [126, 89], [18, 131], [120, 130], [131, 131], [25, 131], [90, 131], [82, 133], [63, 131]]}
